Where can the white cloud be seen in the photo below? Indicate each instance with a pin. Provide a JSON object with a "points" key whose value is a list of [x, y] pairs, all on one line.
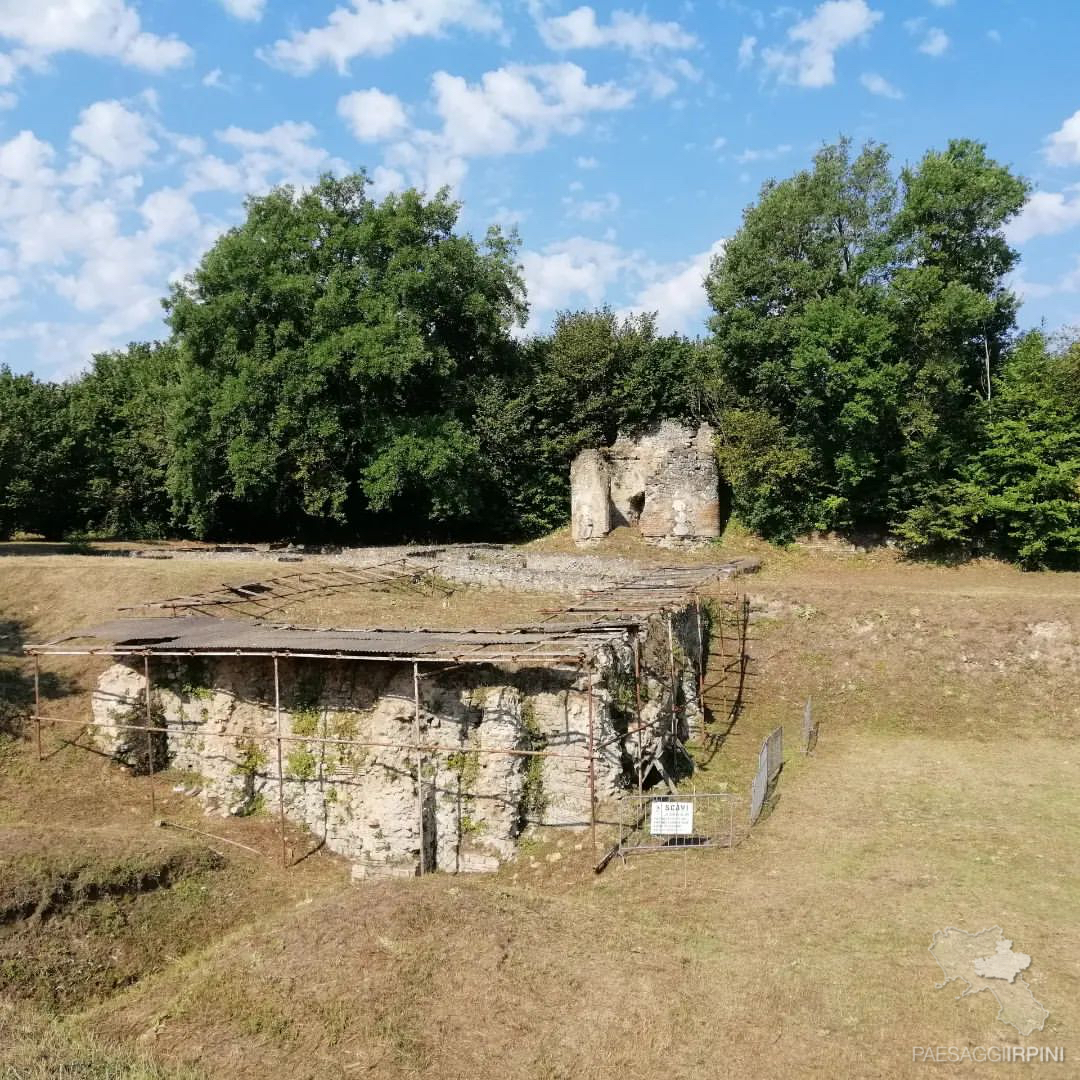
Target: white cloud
{"points": [[9, 288], [375, 28], [579, 272], [1046, 213], [586, 162], [26, 159], [8, 100], [76, 224], [282, 154], [677, 294], [878, 84], [747, 49], [943, 3], [214, 79], [935, 42], [592, 209], [372, 115], [719, 142], [115, 134], [810, 60], [1063, 146], [169, 215], [659, 83], [771, 153], [636, 33], [108, 28], [514, 109], [1069, 282], [245, 9], [573, 271]]}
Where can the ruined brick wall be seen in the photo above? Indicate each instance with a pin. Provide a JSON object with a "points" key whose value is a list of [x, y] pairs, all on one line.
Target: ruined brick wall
{"points": [[219, 726], [665, 482]]}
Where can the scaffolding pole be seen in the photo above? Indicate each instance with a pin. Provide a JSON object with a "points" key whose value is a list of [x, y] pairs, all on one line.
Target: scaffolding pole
{"points": [[280, 765], [592, 763], [419, 761], [149, 736], [701, 657], [674, 692], [637, 713], [37, 702]]}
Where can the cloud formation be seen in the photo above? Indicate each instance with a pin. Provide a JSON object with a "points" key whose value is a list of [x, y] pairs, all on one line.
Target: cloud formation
{"points": [[636, 33], [106, 28], [376, 28], [1063, 146], [1046, 213], [809, 59], [511, 110], [879, 85]]}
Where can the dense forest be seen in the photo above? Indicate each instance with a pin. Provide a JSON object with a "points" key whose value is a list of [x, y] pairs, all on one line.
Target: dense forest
{"points": [[344, 369]]}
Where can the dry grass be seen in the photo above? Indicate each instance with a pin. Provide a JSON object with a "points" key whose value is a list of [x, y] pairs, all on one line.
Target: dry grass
{"points": [[942, 794]]}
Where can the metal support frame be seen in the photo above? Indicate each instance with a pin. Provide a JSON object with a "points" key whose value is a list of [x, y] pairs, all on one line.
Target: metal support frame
{"points": [[280, 764], [37, 703], [637, 714], [149, 736], [419, 762], [674, 691], [592, 760], [701, 656]]}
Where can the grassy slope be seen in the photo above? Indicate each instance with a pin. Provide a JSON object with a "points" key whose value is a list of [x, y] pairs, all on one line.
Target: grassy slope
{"points": [[942, 794]]}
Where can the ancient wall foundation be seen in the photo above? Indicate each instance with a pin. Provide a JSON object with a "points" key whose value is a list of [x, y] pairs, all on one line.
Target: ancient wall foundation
{"points": [[350, 773]]}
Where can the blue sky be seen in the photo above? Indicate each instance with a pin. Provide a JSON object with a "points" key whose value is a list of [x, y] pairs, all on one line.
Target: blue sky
{"points": [[622, 140]]}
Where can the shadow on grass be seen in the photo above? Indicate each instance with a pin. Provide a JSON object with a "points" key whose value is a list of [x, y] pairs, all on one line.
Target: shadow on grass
{"points": [[17, 680]]}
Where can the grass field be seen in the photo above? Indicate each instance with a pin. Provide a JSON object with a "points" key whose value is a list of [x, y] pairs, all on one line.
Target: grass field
{"points": [[943, 793]]}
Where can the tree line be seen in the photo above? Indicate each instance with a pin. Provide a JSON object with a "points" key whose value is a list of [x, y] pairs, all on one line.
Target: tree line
{"points": [[339, 368]]}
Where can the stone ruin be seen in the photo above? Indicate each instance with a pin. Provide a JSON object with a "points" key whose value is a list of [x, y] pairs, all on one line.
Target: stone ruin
{"points": [[218, 724], [665, 483]]}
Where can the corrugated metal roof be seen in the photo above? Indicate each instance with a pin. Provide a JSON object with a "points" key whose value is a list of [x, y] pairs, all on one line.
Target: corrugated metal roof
{"points": [[572, 632], [199, 634]]}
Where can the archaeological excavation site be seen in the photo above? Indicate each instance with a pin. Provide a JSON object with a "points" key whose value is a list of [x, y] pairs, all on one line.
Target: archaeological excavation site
{"points": [[411, 749]]}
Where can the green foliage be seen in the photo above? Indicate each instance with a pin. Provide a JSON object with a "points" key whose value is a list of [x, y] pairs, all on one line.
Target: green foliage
{"points": [[302, 764], [119, 414], [594, 376], [251, 758], [853, 319], [1019, 497], [345, 368], [331, 349], [306, 721], [534, 799], [39, 468]]}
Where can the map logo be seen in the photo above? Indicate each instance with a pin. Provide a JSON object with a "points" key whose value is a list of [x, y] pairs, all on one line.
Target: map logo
{"points": [[986, 962]]}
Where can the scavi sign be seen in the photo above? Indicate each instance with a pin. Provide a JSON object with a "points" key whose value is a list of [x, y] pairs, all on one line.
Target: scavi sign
{"points": [[671, 818]]}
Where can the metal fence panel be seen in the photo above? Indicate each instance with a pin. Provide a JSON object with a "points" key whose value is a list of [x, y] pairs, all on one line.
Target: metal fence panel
{"points": [[770, 761], [651, 823]]}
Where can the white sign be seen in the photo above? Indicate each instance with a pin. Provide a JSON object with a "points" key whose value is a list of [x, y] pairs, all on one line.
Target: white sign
{"points": [[671, 818]]}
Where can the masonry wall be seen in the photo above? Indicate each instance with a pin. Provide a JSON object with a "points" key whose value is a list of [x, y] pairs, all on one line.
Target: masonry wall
{"points": [[219, 724], [664, 482]]}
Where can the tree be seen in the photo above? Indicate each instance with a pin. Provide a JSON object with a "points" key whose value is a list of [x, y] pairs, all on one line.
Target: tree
{"points": [[331, 353], [38, 474], [952, 314], [847, 313], [801, 339], [1019, 497], [120, 419]]}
